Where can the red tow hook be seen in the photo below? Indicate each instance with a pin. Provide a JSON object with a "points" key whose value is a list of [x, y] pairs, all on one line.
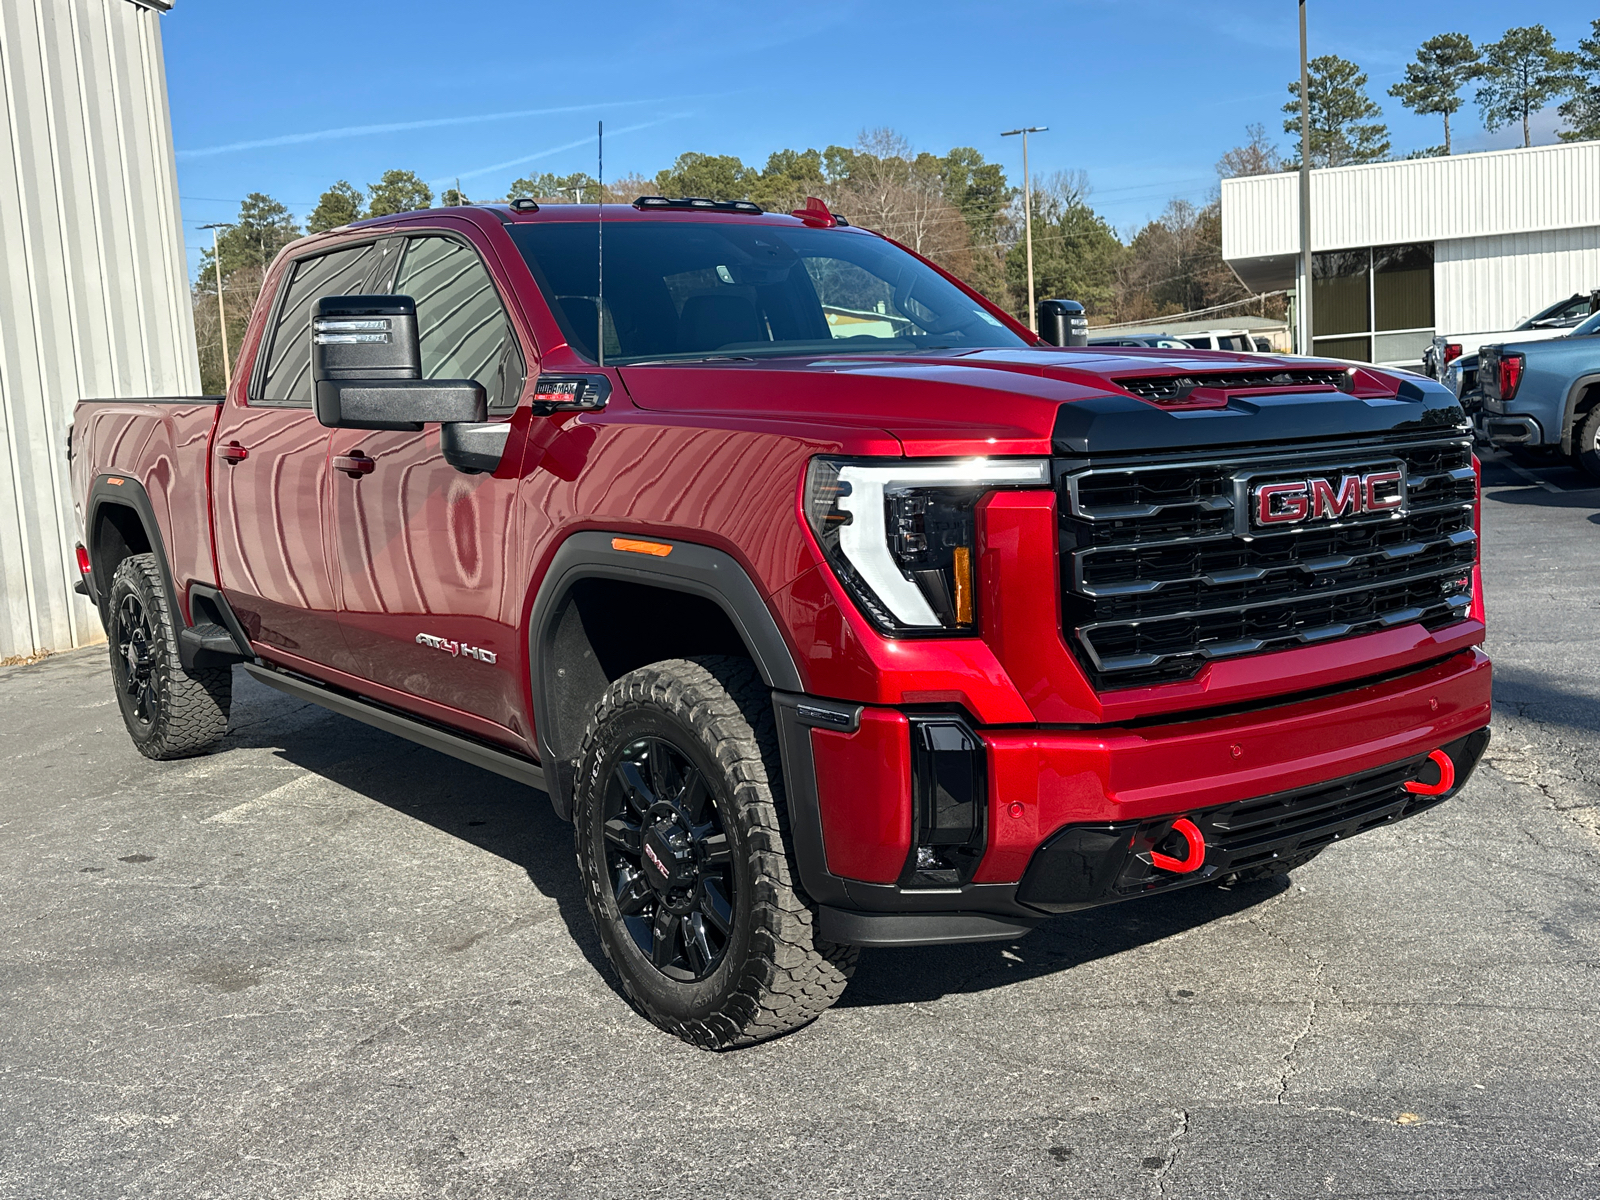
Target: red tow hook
{"points": [[1197, 850], [1447, 777]]}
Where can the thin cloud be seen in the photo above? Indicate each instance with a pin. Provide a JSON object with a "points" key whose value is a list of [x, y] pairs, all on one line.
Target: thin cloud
{"points": [[528, 158], [321, 135]]}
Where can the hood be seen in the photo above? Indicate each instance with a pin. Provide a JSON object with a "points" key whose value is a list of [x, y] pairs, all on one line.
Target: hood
{"points": [[1004, 401]]}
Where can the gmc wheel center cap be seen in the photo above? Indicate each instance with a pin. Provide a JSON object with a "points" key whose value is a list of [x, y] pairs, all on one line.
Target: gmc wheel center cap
{"points": [[663, 868]]}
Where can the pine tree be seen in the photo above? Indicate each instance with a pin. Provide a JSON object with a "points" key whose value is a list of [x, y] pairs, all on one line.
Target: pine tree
{"points": [[1522, 73], [337, 206], [1433, 83], [1342, 130], [397, 192], [1582, 112]]}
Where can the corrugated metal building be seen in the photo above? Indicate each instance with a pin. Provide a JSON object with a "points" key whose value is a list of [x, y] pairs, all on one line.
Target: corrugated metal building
{"points": [[1470, 243], [94, 298]]}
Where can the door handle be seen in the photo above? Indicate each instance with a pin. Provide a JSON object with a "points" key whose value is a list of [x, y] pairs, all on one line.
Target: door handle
{"points": [[234, 453], [354, 465]]}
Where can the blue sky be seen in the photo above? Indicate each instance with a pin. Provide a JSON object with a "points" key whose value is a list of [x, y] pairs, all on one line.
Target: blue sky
{"points": [[1143, 95]]}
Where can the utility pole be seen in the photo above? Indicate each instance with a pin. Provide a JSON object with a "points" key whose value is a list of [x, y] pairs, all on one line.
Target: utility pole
{"points": [[1304, 297], [1027, 214], [222, 313]]}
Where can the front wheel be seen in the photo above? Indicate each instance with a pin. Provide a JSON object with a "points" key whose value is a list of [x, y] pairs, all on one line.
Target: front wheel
{"points": [[682, 841]]}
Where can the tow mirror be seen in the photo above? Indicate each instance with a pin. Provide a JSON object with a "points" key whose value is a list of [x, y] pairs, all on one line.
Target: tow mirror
{"points": [[1062, 323], [367, 368]]}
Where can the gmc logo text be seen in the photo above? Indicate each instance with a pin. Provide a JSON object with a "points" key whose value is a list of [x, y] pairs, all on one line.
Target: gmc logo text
{"points": [[1291, 502]]}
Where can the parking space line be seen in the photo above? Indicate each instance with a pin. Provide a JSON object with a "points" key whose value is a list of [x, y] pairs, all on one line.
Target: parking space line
{"points": [[1529, 476]]}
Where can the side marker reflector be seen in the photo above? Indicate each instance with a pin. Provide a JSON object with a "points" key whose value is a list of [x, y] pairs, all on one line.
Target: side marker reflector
{"points": [[635, 546], [1197, 849], [1447, 777], [84, 565]]}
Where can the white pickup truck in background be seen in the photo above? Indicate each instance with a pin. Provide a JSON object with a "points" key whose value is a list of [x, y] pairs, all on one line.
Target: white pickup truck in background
{"points": [[1552, 322]]}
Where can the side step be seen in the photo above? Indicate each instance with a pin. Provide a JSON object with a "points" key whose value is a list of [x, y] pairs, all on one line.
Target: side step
{"points": [[501, 762]]}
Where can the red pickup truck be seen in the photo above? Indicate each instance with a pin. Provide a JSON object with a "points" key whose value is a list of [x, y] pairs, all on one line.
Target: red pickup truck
{"points": [[832, 606]]}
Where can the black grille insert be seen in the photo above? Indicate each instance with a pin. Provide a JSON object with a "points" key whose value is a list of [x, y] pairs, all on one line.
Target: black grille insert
{"points": [[1161, 572]]}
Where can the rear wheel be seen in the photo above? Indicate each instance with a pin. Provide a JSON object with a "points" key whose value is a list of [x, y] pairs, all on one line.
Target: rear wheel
{"points": [[683, 844], [1586, 443], [169, 712]]}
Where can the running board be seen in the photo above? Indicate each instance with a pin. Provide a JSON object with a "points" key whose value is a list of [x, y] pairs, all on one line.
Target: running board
{"points": [[501, 762]]}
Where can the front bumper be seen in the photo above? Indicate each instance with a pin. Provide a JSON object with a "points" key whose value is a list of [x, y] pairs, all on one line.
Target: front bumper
{"points": [[1124, 787], [1084, 866]]}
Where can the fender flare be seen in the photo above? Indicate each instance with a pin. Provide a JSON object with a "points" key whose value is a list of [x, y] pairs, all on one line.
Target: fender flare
{"points": [[691, 567], [127, 493], [1579, 386]]}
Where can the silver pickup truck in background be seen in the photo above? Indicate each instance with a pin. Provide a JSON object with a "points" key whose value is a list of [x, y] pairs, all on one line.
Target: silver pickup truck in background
{"points": [[1555, 321]]}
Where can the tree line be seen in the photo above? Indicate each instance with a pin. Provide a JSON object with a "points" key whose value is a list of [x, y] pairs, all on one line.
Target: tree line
{"points": [[965, 213], [1515, 77], [956, 208]]}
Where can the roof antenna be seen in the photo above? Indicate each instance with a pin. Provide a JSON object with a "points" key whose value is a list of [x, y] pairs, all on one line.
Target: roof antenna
{"points": [[600, 244]]}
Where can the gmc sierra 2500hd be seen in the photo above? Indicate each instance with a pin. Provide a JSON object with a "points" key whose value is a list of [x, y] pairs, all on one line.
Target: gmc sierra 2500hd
{"points": [[832, 606]]}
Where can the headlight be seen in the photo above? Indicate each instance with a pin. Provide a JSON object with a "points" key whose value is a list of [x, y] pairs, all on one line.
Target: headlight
{"points": [[900, 533]]}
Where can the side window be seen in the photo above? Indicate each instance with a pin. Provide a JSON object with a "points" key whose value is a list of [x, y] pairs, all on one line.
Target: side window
{"points": [[287, 379], [462, 326]]}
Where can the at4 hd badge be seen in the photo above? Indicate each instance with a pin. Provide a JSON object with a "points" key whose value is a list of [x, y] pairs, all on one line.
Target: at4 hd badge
{"points": [[454, 648]]}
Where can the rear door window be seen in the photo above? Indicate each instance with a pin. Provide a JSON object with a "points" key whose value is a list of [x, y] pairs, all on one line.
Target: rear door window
{"points": [[461, 323], [287, 377]]}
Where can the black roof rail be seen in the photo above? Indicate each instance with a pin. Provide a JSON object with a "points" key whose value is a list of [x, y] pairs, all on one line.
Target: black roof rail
{"points": [[698, 202]]}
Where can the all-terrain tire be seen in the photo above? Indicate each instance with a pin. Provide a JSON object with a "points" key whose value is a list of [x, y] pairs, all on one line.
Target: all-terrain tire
{"points": [[1586, 443], [1269, 870], [771, 973], [170, 712]]}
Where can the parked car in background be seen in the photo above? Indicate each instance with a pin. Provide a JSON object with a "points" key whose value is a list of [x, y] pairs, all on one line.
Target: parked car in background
{"points": [[1263, 345], [1553, 322], [1221, 339], [1159, 341], [1545, 394], [1461, 377]]}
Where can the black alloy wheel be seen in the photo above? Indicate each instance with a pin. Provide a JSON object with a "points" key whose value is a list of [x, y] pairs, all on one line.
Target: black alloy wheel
{"points": [[134, 660], [170, 711], [682, 836], [668, 858]]}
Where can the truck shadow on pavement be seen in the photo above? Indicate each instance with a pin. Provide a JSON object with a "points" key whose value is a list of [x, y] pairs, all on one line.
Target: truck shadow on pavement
{"points": [[924, 973], [517, 824]]}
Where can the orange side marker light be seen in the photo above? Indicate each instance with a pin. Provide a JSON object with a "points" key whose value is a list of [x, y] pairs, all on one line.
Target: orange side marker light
{"points": [[636, 546]]}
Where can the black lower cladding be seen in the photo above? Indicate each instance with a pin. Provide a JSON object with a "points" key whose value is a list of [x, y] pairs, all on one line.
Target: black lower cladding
{"points": [[1083, 866]]}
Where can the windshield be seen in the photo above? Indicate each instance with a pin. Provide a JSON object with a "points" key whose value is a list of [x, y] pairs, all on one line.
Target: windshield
{"points": [[1591, 326], [676, 290]]}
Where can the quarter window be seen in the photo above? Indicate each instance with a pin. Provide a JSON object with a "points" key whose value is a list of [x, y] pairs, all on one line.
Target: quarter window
{"points": [[461, 323]]}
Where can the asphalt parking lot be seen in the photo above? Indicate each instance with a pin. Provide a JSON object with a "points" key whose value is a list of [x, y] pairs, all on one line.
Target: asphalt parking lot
{"points": [[326, 963]]}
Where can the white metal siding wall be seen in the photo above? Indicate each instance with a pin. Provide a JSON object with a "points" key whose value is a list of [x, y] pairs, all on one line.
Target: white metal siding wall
{"points": [[1494, 283], [94, 297], [1416, 200]]}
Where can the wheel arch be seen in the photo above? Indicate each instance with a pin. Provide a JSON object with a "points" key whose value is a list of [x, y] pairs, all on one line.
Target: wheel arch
{"points": [[1582, 396], [701, 601], [120, 522]]}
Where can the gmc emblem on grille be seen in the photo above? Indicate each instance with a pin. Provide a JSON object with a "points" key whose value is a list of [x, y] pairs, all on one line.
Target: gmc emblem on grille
{"points": [[1327, 498]]}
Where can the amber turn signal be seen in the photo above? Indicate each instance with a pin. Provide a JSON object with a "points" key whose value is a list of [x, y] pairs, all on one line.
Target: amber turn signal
{"points": [[635, 546]]}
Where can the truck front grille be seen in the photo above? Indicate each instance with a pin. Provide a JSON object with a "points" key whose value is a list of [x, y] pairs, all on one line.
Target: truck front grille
{"points": [[1165, 569]]}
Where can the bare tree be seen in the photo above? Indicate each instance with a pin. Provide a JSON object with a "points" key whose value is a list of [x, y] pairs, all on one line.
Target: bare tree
{"points": [[1257, 156]]}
